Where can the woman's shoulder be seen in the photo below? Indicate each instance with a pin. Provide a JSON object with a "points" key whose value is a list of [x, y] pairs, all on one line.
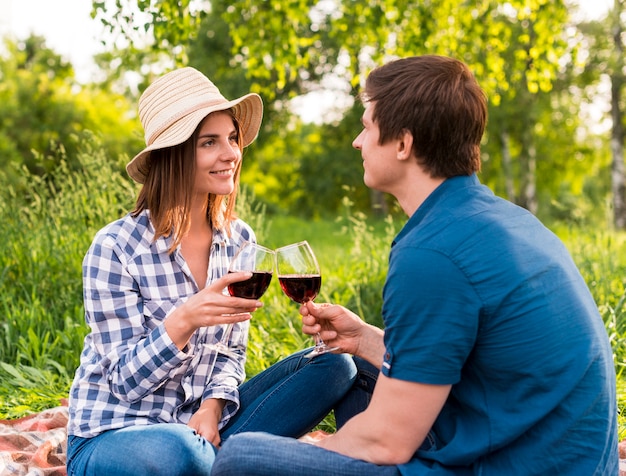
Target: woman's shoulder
{"points": [[129, 228], [241, 231]]}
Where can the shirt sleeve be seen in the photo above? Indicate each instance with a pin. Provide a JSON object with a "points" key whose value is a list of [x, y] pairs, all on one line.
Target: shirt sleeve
{"points": [[431, 315], [229, 371], [136, 357]]}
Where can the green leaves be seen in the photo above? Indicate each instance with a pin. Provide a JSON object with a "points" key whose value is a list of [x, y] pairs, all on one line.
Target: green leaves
{"points": [[280, 40], [524, 54], [43, 111], [25, 390]]}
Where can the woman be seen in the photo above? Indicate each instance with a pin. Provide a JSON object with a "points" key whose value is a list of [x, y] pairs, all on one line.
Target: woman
{"points": [[152, 395]]}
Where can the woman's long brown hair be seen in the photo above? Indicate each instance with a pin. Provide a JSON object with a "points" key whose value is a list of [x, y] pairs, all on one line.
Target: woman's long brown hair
{"points": [[167, 191]]}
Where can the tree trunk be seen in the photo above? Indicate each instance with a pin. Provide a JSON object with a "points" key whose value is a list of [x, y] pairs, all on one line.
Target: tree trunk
{"points": [[379, 204], [528, 161], [618, 176], [530, 191], [507, 167]]}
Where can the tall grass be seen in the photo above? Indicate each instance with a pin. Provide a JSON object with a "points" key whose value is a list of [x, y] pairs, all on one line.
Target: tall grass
{"points": [[45, 233]]}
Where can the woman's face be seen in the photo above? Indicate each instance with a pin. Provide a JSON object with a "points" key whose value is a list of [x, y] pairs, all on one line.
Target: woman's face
{"points": [[217, 155]]}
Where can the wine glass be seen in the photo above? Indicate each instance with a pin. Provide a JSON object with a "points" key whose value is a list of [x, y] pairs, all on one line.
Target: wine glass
{"points": [[260, 261], [300, 279]]}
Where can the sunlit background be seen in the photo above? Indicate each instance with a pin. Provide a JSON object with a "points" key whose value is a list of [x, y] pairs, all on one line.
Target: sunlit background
{"points": [[70, 31]]}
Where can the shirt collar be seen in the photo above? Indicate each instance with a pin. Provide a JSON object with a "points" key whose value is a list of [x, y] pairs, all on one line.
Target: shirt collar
{"points": [[448, 186], [163, 243]]}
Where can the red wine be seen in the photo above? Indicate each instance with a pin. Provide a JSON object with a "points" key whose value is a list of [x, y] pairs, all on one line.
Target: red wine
{"points": [[252, 288], [301, 287]]}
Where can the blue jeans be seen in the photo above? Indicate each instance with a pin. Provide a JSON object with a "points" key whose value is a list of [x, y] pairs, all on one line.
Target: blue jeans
{"points": [[287, 399], [161, 449], [358, 397], [263, 454]]}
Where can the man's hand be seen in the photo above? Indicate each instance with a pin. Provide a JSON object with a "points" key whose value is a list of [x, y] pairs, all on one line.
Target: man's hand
{"points": [[340, 327]]}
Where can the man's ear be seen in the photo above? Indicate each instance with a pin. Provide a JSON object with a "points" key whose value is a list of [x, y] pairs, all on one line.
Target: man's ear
{"points": [[405, 145]]}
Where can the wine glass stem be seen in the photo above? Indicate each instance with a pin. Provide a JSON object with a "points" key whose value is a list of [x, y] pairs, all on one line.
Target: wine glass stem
{"points": [[226, 334], [319, 342]]}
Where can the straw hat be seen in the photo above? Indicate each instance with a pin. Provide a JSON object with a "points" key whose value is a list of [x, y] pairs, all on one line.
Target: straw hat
{"points": [[171, 108]]}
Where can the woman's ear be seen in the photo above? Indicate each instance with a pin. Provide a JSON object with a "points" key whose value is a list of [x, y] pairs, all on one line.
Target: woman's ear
{"points": [[405, 145]]}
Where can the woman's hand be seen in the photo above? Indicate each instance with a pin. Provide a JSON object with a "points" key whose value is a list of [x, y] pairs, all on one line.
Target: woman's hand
{"points": [[210, 307], [206, 420]]}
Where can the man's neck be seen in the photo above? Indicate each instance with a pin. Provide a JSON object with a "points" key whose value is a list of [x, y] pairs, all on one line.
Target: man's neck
{"points": [[415, 190]]}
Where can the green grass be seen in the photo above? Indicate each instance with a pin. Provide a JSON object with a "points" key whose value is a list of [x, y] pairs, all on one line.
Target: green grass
{"points": [[46, 232]]}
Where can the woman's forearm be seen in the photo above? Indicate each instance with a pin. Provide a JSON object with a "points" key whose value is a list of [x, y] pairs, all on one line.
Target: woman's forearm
{"points": [[178, 327]]}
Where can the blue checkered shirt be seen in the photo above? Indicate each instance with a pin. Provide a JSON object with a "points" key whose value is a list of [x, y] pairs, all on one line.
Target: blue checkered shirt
{"points": [[131, 373]]}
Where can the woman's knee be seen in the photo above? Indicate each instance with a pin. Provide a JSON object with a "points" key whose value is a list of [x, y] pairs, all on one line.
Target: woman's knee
{"points": [[189, 453], [341, 366], [158, 450]]}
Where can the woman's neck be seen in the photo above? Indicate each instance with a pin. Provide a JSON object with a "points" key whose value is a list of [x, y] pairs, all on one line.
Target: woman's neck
{"points": [[196, 244], [198, 214]]}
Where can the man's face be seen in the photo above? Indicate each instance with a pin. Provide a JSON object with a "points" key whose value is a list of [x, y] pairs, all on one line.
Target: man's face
{"points": [[380, 162]]}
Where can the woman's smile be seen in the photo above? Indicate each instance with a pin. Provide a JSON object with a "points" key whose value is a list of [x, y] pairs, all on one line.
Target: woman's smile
{"points": [[225, 172]]}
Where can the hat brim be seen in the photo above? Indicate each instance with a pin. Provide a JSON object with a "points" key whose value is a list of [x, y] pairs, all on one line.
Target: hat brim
{"points": [[248, 110]]}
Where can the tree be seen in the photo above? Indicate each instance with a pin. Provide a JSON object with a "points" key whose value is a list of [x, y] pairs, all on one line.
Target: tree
{"points": [[618, 81], [32, 94], [531, 138], [515, 48], [43, 111], [604, 38]]}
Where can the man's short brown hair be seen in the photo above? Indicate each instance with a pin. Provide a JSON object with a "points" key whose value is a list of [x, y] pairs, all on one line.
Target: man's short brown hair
{"points": [[436, 99]]}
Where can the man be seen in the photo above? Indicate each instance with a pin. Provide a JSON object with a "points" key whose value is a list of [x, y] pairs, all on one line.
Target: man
{"points": [[494, 359]]}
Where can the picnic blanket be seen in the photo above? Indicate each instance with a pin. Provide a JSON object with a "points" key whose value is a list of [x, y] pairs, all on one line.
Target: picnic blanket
{"points": [[36, 445]]}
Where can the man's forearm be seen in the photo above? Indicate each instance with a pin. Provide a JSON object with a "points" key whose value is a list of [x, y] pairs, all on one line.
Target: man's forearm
{"points": [[371, 345]]}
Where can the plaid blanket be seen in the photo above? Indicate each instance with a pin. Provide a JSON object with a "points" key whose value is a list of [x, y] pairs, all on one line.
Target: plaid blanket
{"points": [[35, 445]]}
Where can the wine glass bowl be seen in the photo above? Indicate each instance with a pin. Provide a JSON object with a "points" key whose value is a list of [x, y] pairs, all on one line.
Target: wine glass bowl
{"points": [[300, 279], [300, 288], [257, 260]]}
